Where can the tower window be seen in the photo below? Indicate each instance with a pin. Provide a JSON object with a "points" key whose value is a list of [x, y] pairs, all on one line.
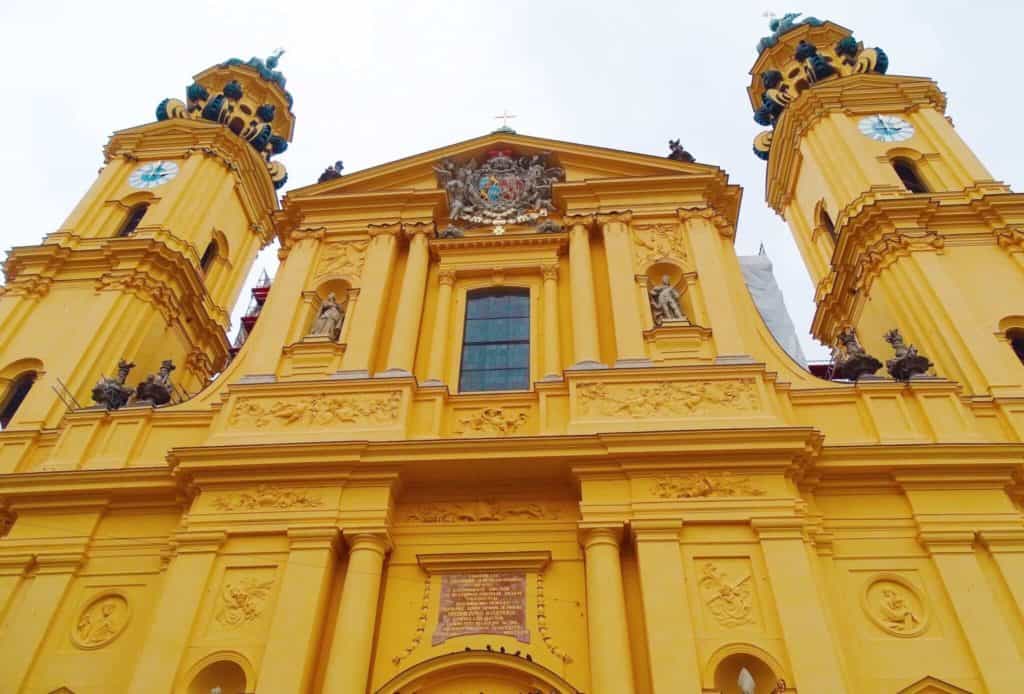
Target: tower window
{"points": [[16, 395], [209, 255], [907, 172], [131, 222], [496, 343], [825, 222], [1016, 338]]}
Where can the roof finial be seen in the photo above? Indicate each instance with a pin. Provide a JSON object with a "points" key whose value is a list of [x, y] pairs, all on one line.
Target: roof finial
{"points": [[274, 58], [504, 117]]}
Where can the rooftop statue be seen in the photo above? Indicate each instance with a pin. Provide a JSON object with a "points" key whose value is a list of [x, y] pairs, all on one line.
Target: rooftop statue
{"points": [[331, 172], [780, 25], [850, 361], [112, 393], [907, 363], [157, 387], [677, 153]]}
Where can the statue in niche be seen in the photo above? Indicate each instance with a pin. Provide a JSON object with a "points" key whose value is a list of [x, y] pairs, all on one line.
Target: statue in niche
{"points": [[746, 682], [665, 302], [112, 393], [328, 319], [157, 387], [850, 361], [897, 613], [907, 363]]}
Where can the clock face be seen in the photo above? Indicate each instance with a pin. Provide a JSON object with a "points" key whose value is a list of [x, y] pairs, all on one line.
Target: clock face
{"points": [[153, 174], [886, 128]]}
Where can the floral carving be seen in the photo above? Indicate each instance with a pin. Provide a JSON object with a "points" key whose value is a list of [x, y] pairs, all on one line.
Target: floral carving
{"points": [[421, 625], [480, 511], [731, 601], [267, 497], [321, 411], [698, 485], [243, 601], [542, 624], [667, 399], [895, 605], [492, 420], [102, 621], [656, 242], [343, 258]]}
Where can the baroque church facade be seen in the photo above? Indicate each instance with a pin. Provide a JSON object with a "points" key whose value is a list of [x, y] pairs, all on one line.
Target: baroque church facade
{"points": [[508, 420]]}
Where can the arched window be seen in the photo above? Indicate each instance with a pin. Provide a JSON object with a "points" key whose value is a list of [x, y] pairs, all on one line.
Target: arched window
{"points": [[209, 255], [135, 215], [907, 172], [16, 394], [1016, 338], [825, 222], [496, 342]]}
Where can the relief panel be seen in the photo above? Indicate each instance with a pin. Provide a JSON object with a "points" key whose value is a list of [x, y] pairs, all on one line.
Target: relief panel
{"points": [[727, 589]]}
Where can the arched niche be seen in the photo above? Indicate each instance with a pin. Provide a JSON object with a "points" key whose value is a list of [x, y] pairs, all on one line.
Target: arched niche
{"points": [[229, 670], [722, 672], [657, 271], [492, 672], [338, 286]]}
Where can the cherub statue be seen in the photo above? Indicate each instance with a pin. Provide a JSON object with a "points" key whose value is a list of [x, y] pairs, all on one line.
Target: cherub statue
{"points": [[328, 319], [665, 302]]}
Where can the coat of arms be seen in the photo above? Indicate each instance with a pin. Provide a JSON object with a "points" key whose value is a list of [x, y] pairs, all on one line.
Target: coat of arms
{"points": [[503, 190]]}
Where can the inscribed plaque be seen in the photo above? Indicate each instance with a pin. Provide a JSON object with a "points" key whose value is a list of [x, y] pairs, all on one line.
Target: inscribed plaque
{"points": [[483, 603]]}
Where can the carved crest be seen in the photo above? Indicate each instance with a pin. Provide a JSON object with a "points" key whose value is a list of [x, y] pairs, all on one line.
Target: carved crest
{"points": [[505, 189]]}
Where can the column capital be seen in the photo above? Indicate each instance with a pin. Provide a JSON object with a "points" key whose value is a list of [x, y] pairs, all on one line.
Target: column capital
{"points": [[549, 271], [778, 528], [420, 229], [388, 229], [190, 542], [656, 530], [709, 213], [372, 539], [947, 541], [16, 564], [1004, 540], [314, 538], [59, 563], [593, 534], [579, 220], [446, 276], [614, 217]]}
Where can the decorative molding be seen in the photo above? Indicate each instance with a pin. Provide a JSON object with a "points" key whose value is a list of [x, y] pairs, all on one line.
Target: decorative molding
{"points": [[243, 601], [720, 221], [895, 605], [446, 277], [319, 411], [101, 621], [667, 398], [485, 510], [550, 271], [697, 485], [484, 562], [616, 217], [730, 600], [656, 242], [492, 420], [542, 624], [267, 497], [345, 258], [421, 624]]}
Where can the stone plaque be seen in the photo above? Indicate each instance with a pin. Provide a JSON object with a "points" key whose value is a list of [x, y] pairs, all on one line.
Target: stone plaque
{"points": [[483, 603]]}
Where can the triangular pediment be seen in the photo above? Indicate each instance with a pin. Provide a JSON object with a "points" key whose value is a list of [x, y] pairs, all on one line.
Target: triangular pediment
{"points": [[932, 685], [580, 162]]}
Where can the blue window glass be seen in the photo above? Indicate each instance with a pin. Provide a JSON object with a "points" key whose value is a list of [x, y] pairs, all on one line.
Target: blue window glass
{"points": [[496, 341]]}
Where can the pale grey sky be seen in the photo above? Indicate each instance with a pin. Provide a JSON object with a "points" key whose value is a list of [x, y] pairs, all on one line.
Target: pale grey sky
{"points": [[377, 81]]}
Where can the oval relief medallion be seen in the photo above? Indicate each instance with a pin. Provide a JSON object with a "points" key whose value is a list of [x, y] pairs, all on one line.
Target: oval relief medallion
{"points": [[895, 605], [102, 621]]}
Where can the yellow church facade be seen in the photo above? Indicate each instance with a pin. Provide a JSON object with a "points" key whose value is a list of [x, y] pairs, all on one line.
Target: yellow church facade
{"points": [[508, 419]]}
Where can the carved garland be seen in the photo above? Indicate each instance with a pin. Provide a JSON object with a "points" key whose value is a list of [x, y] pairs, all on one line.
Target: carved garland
{"points": [[730, 601], [268, 497], [322, 410], [492, 420], [484, 510], [421, 625], [243, 602], [542, 624], [667, 399], [696, 485]]}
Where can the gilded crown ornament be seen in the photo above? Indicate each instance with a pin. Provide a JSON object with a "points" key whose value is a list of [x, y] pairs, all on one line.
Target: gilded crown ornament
{"points": [[246, 115], [814, 60], [504, 189]]}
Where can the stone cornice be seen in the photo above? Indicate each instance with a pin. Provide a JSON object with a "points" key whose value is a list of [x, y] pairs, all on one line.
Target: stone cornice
{"points": [[857, 94], [178, 138]]}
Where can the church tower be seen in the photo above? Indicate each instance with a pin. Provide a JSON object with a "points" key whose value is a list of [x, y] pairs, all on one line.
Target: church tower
{"points": [[149, 263], [899, 223]]}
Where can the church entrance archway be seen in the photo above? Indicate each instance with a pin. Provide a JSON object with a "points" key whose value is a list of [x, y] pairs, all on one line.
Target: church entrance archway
{"points": [[472, 672]]}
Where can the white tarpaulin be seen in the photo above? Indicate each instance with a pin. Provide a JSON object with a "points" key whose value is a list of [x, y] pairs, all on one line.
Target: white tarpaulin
{"points": [[760, 280]]}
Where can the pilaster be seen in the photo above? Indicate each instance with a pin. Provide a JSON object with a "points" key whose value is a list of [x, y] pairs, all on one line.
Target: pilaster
{"points": [[439, 341], [552, 357], [586, 350], [629, 337], [369, 316], [402, 351]]}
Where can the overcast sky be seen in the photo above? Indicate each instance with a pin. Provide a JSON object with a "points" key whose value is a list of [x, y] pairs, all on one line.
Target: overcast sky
{"points": [[380, 80]]}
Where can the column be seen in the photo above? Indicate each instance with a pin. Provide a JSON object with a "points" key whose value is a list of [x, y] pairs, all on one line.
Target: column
{"points": [[439, 342], [643, 287], [175, 613], [369, 315], [618, 250], [984, 624], [348, 667], [34, 616], [586, 351], [13, 570], [290, 655], [708, 249], [402, 352], [552, 356], [812, 650], [672, 649], [1007, 549], [611, 666]]}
